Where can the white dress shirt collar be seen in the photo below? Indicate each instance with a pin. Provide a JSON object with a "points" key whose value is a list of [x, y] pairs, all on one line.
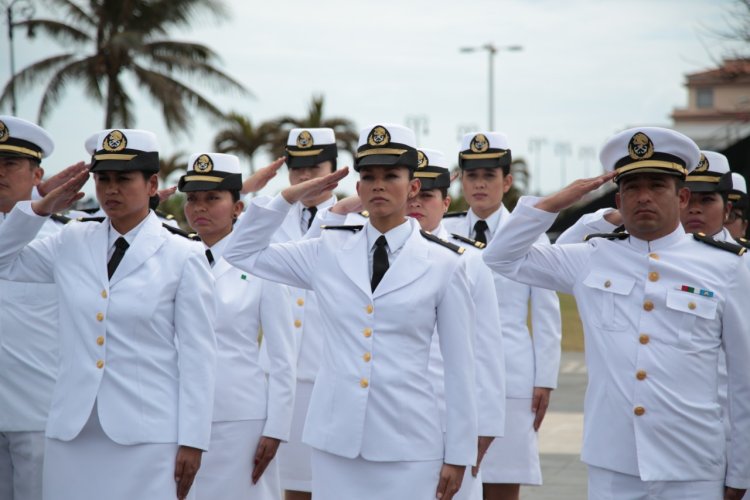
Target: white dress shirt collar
{"points": [[493, 221], [667, 241]]}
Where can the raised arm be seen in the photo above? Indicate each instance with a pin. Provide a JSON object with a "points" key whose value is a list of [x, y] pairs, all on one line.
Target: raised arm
{"points": [[604, 220]]}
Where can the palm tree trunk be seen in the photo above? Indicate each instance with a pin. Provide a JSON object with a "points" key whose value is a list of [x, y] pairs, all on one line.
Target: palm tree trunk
{"points": [[108, 117]]}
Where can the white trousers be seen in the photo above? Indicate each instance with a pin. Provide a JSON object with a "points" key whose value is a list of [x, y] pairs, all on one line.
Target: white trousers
{"points": [[227, 467], [21, 465], [605, 484]]}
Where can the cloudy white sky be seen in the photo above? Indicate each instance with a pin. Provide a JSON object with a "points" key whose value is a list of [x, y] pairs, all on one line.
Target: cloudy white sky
{"points": [[588, 68]]}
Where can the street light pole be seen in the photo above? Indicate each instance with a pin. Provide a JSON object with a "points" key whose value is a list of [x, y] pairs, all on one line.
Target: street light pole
{"points": [[491, 51], [27, 11]]}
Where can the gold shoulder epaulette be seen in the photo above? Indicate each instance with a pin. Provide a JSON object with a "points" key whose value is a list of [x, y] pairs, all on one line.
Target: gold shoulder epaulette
{"points": [[90, 219], [447, 244], [723, 245], [62, 219], [610, 236], [164, 215], [180, 232], [454, 214], [744, 242], [364, 213], [474, 243], [353, 227]]}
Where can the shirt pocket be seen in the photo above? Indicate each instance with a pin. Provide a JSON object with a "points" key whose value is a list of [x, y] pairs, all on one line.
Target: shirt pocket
{"points": [[610, 293], [692, 308]]}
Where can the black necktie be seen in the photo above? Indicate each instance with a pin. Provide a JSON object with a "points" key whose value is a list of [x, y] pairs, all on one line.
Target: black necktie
{"points": [[120, 246], [479, 231], [379, 261], [210, 257], [313, 211]]}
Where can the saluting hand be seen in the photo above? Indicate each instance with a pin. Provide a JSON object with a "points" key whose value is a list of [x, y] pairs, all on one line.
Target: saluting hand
{"points": [[57, 180], [265, 452], [572, 193], [451, 477], [166, 193], [260, 178], [314, 187], [187, 463], [65, 192], [348, 205], [539, 405]]}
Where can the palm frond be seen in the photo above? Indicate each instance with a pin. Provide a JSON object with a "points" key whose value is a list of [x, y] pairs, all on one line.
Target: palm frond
{"points": [[75, 70], [33, 74], [75, 12], [56, 29]]}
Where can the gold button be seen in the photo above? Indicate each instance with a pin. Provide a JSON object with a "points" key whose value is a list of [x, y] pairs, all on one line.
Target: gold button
{"points": [[644, 339], [654, 256], [369, 309], [364, 384], [692, 306], [640, 374], [100, 340], [100, 364], [300, 302], [367, 332], [607, 284], [367, 357], [639, 410], [104, 294], [648, 306], [99, 316], [297, 323], [653, 276]]}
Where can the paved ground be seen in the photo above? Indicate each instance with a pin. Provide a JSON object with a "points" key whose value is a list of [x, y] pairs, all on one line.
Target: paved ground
{"points": [[560, 437]]}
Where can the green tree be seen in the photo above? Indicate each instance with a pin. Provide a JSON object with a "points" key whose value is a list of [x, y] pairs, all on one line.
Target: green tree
{"points": [[346, 132], [109, 39], [243, 138]]}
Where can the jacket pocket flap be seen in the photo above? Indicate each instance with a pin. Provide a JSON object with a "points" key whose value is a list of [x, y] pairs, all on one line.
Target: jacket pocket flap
{"points": [[692, 304], [612, 283]]}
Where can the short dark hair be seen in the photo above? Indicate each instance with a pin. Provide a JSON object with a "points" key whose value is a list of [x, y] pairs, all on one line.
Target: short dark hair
{"points": [[235, 195]]}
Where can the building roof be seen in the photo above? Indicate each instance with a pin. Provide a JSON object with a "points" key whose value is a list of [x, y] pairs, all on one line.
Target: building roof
{"points": [[732, 71]]}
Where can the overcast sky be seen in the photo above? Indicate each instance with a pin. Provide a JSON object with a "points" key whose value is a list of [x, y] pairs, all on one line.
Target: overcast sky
{"points": [[588, 68]]}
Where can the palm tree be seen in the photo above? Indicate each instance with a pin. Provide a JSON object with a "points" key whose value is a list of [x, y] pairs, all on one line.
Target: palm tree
{"points": [[346, 132], [243, 138], [109, 39]]}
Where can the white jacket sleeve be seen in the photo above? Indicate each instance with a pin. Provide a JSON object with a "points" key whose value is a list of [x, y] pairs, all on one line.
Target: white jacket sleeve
{"points": [[588, 224], [276, 320], [250, 247], [22, 258]]}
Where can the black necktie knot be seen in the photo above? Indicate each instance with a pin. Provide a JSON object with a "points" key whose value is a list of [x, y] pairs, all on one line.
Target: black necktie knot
{"points": [[120, 246], [480, 231], [210, 257], [379, 261], [313, 211]]}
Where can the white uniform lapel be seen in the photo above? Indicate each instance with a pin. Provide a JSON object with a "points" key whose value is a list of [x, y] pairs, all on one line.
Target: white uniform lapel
{"points": [[98, 247], [411, 263], [352, 258], [220, 267], [148, 240]]}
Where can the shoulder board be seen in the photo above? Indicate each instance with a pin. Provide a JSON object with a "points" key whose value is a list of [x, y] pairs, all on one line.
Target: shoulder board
{"points": [[744, 242], [62, 219], [610, 236], [90, 219], [164, 215], [364, 213], [723, 245], [474, 243], [447, 244], [455, 214], [90, 210], [180, 232], [353, 227]]}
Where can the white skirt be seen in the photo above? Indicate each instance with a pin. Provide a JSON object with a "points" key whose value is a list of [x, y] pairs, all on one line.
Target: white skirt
{"points": [[605, 484], [226, 469], [514, 459], [294, 456], [337, 478], [93, 466]]}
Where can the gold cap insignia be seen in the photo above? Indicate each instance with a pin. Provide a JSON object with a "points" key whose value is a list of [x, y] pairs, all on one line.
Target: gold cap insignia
{"points": [[304, 140], [640, 147], [203, 164], [115, 141], [422, 160], [703, 165], [379, 136], [4, 132], [479, 143]]}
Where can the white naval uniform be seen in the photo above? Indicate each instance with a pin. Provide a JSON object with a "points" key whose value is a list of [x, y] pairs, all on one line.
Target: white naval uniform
{"points": [[373, 403], [139, 348], [530, 361], [246, 406], [651, 407], [489, 358], [294, 455], [28, 368]]}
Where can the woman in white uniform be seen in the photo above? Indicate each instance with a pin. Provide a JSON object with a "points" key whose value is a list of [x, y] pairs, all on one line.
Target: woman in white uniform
{"points": [[129, 417], [382, 288], [251, 415]]}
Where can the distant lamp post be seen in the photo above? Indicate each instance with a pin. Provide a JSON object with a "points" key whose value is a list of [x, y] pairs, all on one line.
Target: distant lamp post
{"points": [[491, 51], [25, 11], [563, 150], [535, 146], [420, 124]]}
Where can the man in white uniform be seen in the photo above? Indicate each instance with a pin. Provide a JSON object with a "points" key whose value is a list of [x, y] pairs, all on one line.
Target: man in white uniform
{"points": [[28, 325], [657, 305], [531, 362], [737, 219]]}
